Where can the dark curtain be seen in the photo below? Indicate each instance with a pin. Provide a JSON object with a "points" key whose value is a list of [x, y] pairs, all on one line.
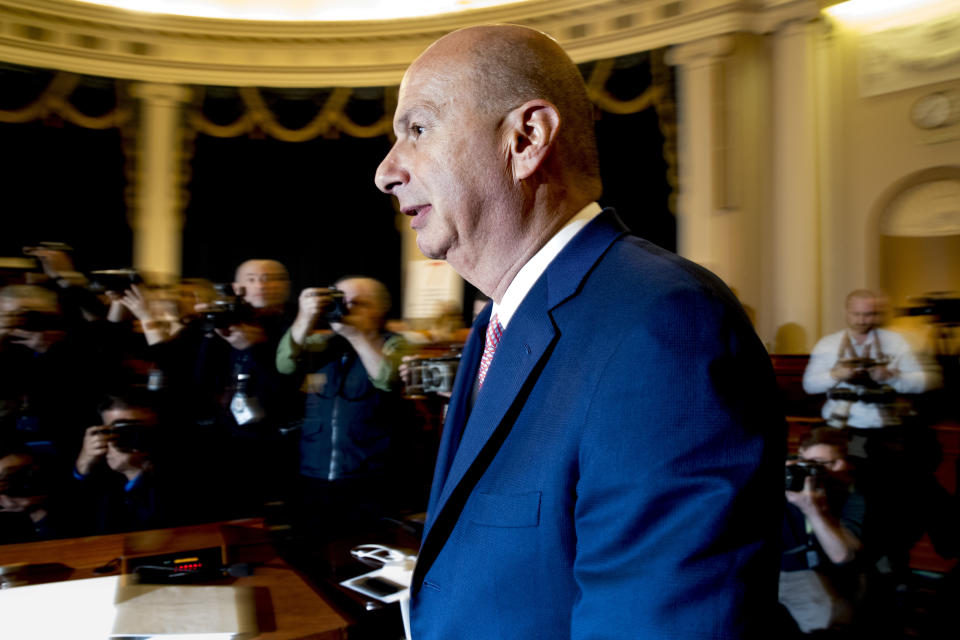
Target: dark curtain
{"points": [[632, 162], [61, 182], [312, 205]]}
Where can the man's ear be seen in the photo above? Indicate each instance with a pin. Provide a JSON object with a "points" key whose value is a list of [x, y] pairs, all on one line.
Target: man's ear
{"points": [[239, 290], [532, 129]]}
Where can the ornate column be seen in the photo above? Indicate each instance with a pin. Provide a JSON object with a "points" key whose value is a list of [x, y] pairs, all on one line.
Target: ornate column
{"points": [[701, 139], [157, 220], [795, 230]]}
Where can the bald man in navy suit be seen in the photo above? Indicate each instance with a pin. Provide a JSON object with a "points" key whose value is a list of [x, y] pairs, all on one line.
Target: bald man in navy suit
{"points": [[611, 463]]}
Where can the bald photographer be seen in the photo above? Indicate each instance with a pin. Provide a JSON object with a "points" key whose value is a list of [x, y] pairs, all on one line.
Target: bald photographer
{"points": [[865, 371], [353, 415]]}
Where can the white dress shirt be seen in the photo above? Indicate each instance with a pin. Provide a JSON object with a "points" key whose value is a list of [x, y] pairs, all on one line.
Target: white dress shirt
{"points": [[531, 272]]}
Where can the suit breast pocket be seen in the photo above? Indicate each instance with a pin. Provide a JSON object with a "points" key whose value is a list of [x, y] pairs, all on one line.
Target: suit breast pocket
{"points": [[507, 510]]}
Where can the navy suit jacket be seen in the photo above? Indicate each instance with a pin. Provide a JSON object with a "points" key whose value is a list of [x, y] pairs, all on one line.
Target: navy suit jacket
{"points": [[620, 472]]}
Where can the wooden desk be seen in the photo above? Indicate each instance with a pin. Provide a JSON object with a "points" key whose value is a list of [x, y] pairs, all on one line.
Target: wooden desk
{"points": [[293, 610]]}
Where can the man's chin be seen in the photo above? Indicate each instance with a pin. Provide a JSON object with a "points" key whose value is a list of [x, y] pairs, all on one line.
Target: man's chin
{"points": [[431, 252]]}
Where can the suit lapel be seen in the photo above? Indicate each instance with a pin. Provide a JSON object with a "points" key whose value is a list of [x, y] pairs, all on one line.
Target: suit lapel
{"points": [[459, 408], [524, 342]]}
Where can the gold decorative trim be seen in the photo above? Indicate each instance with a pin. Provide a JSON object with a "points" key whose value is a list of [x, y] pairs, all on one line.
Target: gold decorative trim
{"points": [[667, 117], [258, 117], [55, 100], [96, 40], [601, 97]]}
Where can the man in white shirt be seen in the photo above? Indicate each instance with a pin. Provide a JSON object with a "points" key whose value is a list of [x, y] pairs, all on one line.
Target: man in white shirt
{"points": [[871, 364]]}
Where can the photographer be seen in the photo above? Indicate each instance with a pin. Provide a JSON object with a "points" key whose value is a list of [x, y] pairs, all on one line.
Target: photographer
{"points": [[47, 374], [872, 364], [822, 533], [124, 479], [353, 413], [864, 370], [220, 372], [80, 304]]}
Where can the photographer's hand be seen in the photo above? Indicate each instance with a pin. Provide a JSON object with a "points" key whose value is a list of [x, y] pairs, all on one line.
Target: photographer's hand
{"points": [[95, 442], [243, 336], [812, 500], [58, 265], [882, 373], [312, 303], [136, 301], [117, 311], [837, 542], [842, 373]]}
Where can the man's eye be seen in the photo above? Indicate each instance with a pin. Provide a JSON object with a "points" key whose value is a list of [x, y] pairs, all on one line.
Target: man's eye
{"points": [[416, 130]]}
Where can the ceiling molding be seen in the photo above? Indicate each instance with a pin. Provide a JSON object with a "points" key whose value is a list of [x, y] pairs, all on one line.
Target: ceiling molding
{"points": [[95, 40]]}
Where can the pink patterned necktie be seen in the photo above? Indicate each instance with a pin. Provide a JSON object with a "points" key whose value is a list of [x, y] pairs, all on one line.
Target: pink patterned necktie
{"points": [[494, 331]]}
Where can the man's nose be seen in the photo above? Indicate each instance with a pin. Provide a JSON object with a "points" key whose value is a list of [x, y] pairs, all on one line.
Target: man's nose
{"points": [[390, 174]]}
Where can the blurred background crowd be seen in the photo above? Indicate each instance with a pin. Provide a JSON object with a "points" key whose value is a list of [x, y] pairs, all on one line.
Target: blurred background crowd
{"points": [[126, 404]]}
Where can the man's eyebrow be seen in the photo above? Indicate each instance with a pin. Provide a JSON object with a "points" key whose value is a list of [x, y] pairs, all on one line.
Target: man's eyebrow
{"points": [[414, 111]]}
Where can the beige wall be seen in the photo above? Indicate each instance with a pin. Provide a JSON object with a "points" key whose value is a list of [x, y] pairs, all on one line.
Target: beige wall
{"points": [[916, 266], [864, 149], [873, 147]]}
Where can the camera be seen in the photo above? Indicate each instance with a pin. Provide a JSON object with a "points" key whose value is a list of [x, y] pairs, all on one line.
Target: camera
{"points": [[432, 375], [114, 280], [796, 474], [225, 309], [876, 394], [941, 307], [132, 435], [861, 370], [338, 305], [867, 392]]}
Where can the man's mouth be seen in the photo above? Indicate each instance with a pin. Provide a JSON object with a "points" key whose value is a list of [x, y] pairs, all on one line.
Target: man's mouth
{"points": [[418, 213]]}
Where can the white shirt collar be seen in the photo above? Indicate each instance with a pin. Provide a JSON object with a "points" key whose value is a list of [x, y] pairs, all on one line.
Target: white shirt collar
{"points": [[534, 268], [867, 342]]}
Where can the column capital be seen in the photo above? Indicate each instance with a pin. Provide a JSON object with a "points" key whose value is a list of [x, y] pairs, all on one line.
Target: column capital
{"points": [[792, 27], [790, 15], [701, 52], [161, 93]]}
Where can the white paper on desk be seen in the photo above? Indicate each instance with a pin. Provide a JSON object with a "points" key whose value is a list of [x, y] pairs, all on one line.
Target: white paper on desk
{"points": [[97, 608], [163, 610], [75, 609]]}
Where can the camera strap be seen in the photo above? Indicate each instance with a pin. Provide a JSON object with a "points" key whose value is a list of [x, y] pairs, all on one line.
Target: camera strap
{"points": [[872, 345]]}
